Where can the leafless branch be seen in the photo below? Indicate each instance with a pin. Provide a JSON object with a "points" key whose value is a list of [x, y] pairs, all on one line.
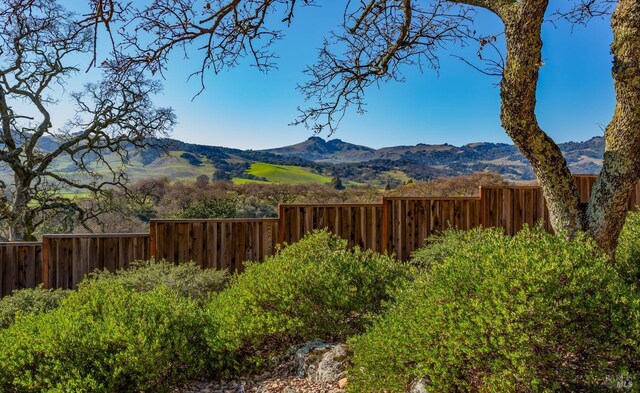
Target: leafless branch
{"points": [[38, 42], [376, 40]]}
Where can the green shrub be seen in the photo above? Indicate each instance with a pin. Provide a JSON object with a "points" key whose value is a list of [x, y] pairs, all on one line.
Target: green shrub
{"points": [[187, 279], [210, 208], [440, 247], [28, 301], [499, 314], [315, 288], [105, 337], [628, 250]]}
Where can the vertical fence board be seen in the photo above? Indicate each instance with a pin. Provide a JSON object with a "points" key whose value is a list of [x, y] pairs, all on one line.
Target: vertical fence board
{"points": [[219, 244], [410, 221], [20, 266], [356, 223], [68, 258]]}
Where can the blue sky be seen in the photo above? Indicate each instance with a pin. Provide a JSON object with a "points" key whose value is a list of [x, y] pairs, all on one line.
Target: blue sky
{"points": [[245, 108]]}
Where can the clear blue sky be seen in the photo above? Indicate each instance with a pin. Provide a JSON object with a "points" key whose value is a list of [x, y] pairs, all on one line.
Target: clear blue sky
{"points": [[245, 108]]}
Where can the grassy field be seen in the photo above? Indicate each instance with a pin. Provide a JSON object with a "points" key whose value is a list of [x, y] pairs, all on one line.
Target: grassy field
{"points": [[240, 180], [284, 174], [174, 167], [177, 168]]}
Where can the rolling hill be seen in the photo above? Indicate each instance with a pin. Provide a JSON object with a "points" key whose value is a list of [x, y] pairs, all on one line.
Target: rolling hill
{"points": [[316, 161]]}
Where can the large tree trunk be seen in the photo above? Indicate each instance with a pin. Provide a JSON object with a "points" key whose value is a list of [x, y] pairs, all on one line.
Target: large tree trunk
{"points": [[523, 24], [621, 168], [20, 228]]}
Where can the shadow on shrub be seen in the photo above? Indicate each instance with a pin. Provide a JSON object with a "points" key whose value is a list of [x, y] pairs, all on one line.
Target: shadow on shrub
{"points": [[29, 301], [499, 314], [315, 288], [628, 250], [187, 279]]}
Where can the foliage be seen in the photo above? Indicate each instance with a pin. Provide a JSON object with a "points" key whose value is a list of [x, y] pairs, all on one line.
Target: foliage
{"points": [[187, 279], [105, 337], [336, 183], [628, 249], [316, 288], [28, 301], [457, 186], [499, 314], [440, 248], [210, 208], [191, 159]]}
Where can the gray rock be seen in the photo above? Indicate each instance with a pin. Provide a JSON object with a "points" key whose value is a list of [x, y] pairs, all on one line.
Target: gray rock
{"points": [[418, 387], [321, 362], [332, 365]]}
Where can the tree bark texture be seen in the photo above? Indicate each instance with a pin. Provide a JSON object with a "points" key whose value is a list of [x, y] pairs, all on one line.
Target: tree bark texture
{"points": [[523, 24], [621, 167]]}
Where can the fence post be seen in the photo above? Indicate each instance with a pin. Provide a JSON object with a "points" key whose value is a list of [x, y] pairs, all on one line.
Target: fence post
{"points": [[152, 239], [45, 263], [384, 242], [482, 220], [281, 225]]}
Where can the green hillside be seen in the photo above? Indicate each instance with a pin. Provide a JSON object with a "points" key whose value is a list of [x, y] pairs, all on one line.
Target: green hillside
{"points": [[175, 167], [284, 174]]}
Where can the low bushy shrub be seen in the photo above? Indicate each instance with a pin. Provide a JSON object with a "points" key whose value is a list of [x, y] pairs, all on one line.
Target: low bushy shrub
{"points": [[495, 313], [28, 301], [187, 279], [441, 247], [315, 288], [628, 250], [105, 337]]}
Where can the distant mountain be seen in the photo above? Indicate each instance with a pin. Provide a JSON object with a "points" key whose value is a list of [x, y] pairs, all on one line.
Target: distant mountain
{"points": [[445, 159], [317, 149], [353, 163]]}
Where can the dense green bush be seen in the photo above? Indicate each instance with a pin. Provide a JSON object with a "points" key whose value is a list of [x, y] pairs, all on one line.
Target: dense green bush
{"points": [[440, 247], [210, 208], [28, 301], [105, 337], [628, 250], [500, 314], [315, 288], [187, 279]]}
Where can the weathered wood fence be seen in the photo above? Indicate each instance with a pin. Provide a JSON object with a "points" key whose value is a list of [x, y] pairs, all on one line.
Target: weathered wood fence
{"points": [[409, 221], [68, 258], [360, 224], [219, 244], [20, 266], [397, 225]]}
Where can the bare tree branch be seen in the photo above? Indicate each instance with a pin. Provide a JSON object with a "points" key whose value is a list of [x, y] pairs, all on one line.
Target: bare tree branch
{"points": [[376, 40], [39, 43]]}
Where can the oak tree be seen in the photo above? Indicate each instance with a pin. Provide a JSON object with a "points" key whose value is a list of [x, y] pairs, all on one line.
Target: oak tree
{"points": [[40, 44]]}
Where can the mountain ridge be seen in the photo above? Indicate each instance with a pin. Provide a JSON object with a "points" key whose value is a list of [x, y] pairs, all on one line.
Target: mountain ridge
{"points": [[354, 163]]}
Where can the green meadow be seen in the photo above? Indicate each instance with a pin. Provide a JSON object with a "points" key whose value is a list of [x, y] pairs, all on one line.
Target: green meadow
{"points": [[285, 174]]}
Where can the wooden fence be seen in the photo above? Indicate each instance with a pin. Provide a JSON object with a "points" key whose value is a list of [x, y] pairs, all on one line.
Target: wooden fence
{"points": [[360, 224], [585, 184], [219, 244], [68, 258], [409, 221], [512, 207], [20, 266], [397, 225]]}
